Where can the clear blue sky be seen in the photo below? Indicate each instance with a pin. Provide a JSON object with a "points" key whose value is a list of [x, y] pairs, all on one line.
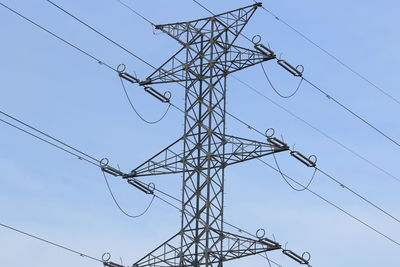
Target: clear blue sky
{"points": [[53, 87]]}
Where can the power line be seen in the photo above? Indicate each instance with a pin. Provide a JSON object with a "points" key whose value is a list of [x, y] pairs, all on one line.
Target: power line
{"points": [[283, 175], [273, 87], [91, 56], [97, 165], [163, 116], [119, 206], [51, 243], [333, 99], [352, 112], [135, 12], [49, 136], [135, 110], [306, 188], [101, 34], [357, 194], [327, 175], [80, 157], [378, 232], [313, 176], [341, 62], [340, 104], [50, 143], [337, 102], [212, 13], [284, 178], [316, 129], [58, 37], [155, 189], [334, 205]]}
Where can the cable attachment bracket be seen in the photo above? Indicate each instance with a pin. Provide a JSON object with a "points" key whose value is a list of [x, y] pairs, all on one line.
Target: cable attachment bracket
{"points": [[165, 98], [293, 70], [111, 264], [303, 259], [145, 82], [126, 76], [145, 188], [269, 133], [265, 51], [309, 162], [106, 261], [256, 40], [110, 170]]}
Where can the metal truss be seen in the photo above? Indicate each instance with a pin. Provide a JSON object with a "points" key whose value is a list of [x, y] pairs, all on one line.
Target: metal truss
{"points": [[170, 160], [207, 56], [234, 247]]}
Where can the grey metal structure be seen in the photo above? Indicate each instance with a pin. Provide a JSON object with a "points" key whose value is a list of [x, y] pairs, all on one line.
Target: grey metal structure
{"points": [[207, 56]]}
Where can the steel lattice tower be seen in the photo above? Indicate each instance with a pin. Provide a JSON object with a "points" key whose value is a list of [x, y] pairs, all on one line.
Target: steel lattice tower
{"points": [[207, 56]]}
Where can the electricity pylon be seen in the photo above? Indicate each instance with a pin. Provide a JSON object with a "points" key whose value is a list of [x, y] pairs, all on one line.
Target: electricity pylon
{"points": [[207, 56]]}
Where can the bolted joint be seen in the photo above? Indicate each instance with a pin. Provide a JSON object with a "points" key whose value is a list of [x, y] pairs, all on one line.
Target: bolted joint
{"points": [[145, 82], [130, 175]]}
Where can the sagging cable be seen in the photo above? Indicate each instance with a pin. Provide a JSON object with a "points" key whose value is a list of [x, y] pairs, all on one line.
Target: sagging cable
{"points": [[293, 70], [162, 97], [300, 259], [147, 189], [303, 159], [276, 90]]}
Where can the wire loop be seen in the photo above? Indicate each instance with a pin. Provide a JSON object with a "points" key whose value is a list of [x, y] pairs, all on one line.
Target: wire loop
{"points": [[260, 233], [256, 39], [121, 68], [151, 186], [106, 256], [301, 67], [270, 132], [306, 254], [104, 162], [313, 159], [168, 95], [276, 90]]}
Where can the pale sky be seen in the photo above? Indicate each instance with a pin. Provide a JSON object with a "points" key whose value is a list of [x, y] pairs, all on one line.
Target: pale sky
{"points": [[47, 84]]}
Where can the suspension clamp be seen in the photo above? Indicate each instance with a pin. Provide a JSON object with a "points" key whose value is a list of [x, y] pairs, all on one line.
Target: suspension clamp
{"points": [[128, 77], [130, 175], [105, 259], [111, 170], [265, 51], [303, 159], [156, 94], [278, 143], [147, 189], [294, 71], [111, 264], [270, 243], [296, 257], [145, 82]]}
